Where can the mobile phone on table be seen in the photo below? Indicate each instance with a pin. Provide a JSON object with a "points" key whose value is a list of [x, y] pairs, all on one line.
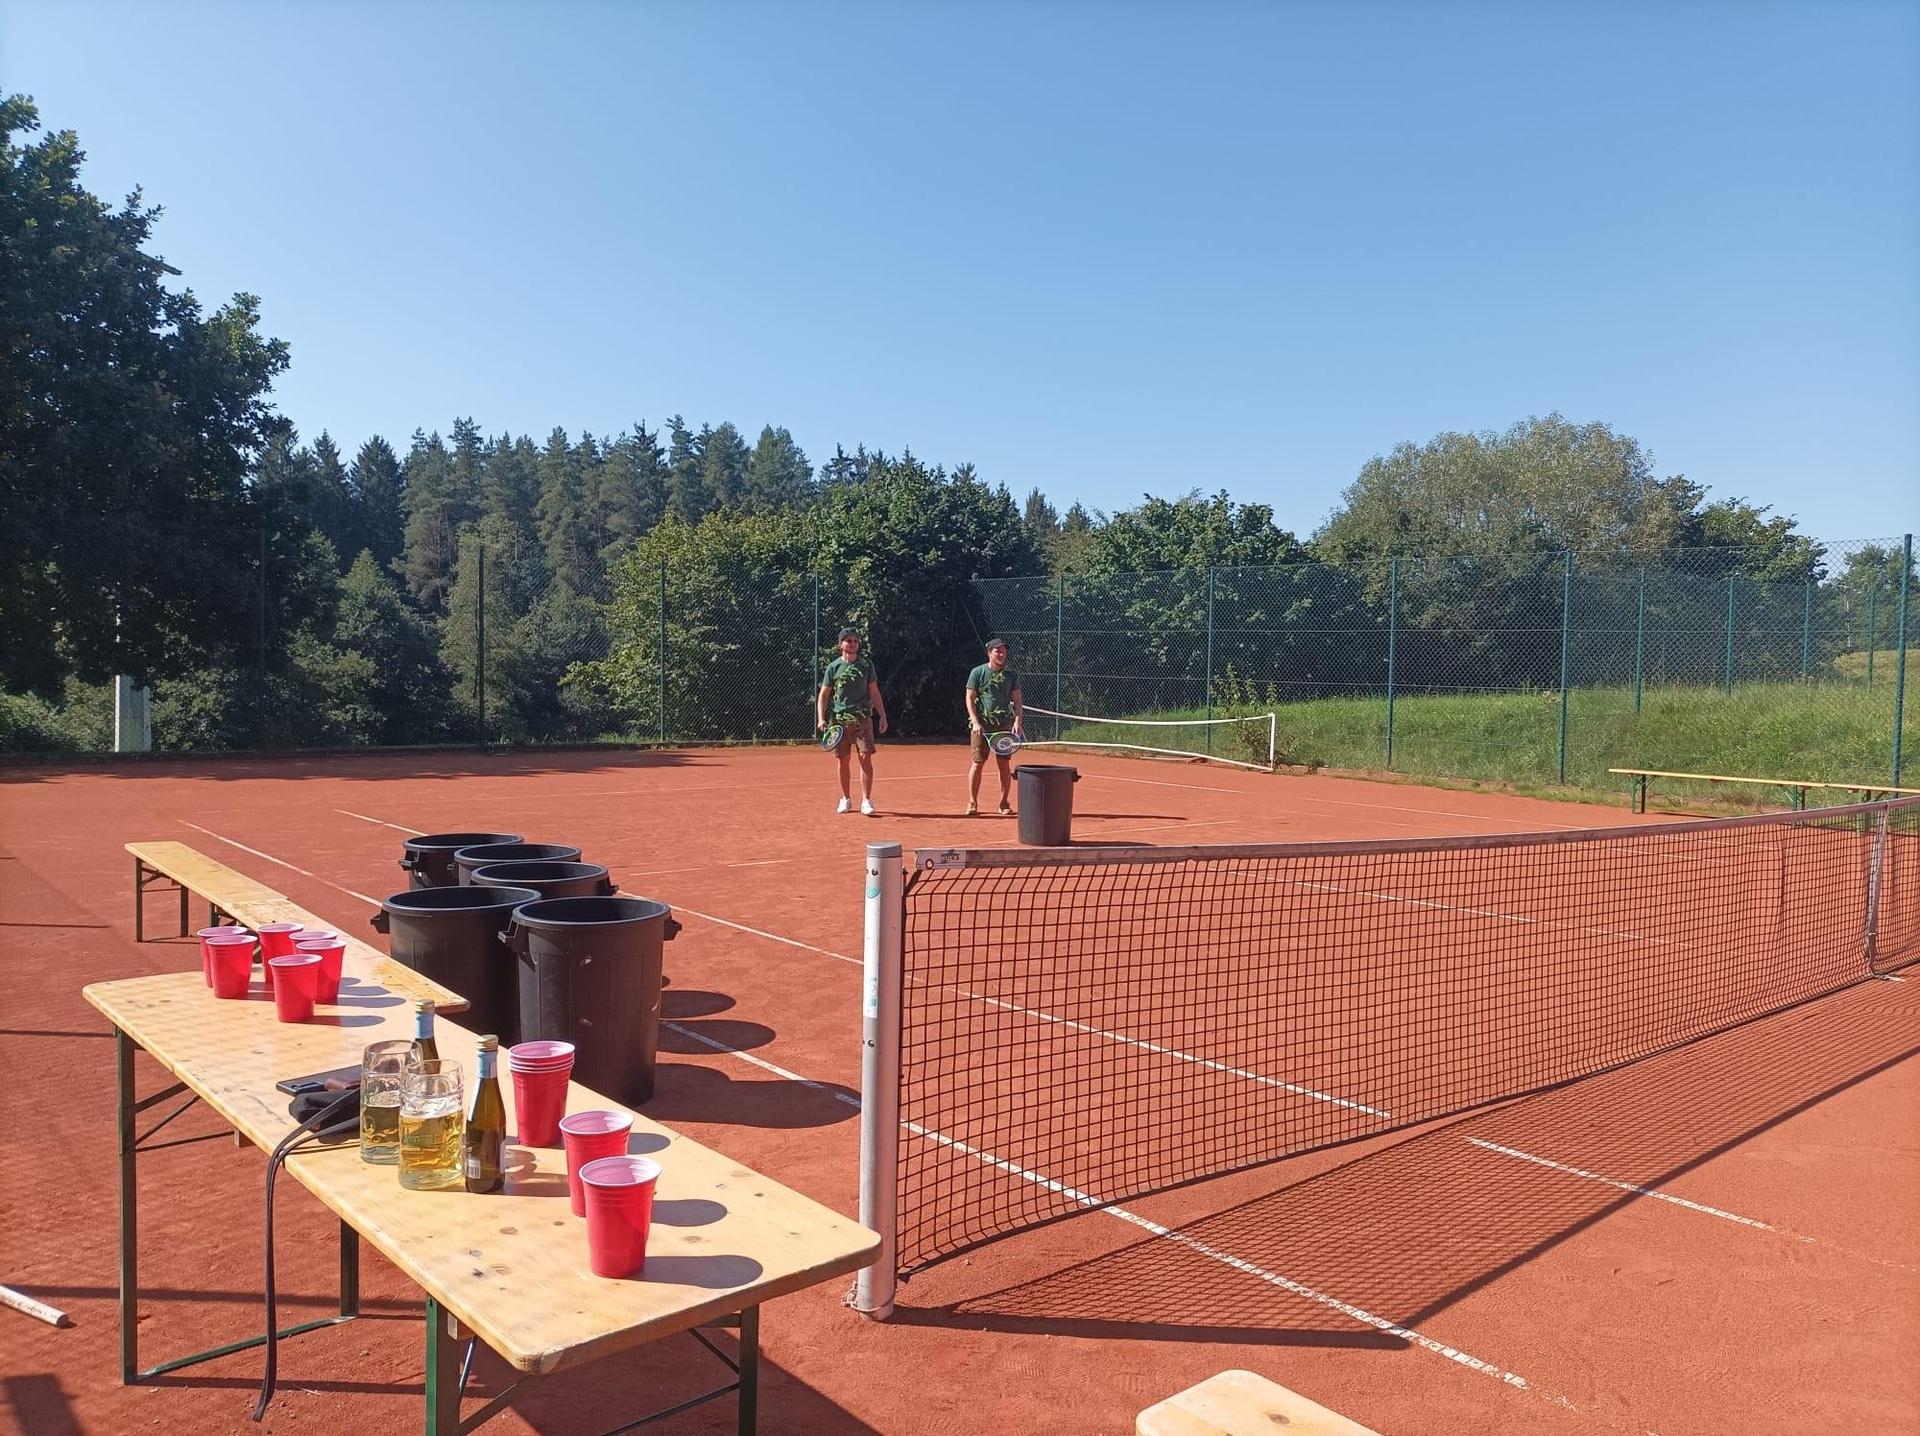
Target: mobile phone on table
{"points": [[338, 1080]]}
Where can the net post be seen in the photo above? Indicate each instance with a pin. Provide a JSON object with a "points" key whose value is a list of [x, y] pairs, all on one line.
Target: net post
{"points": [[880, 1075], [1876, 871], [1900, 663]]}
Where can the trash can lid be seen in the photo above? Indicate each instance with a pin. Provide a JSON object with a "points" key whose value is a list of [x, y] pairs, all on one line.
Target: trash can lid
{"points": [[588, 911], [430, 842], [474, 899]]}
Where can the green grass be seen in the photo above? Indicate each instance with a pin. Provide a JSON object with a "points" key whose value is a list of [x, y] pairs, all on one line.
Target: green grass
{"points": [[1826, 732]]}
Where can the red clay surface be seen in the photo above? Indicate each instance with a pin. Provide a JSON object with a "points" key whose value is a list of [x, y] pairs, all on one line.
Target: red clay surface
{"points": [[1722, 1238]]}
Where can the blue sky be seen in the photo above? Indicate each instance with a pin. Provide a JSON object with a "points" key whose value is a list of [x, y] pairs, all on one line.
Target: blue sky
{"points": [[1106, 250]]}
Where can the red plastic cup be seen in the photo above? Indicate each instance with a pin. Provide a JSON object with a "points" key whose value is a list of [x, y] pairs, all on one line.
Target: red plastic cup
{"points": [[540, 1074], [619, 1193], [206, 953], [332, 952], [589, 1136], [276, 940], [295, 980], [232, 960]]}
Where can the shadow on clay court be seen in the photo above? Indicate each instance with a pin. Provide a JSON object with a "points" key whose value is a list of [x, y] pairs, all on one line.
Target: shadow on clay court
{"points": [[1413, 1227], [734, 1035], [39, 1404], [684, 1092], [680, 1003]]}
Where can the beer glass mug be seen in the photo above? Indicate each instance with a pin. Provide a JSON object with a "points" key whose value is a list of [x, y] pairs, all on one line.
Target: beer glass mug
{"points": [[381, 1067], [432, 1122]]}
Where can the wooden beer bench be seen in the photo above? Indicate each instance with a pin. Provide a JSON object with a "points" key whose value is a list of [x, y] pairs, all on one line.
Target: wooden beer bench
{"points": [[1241, 1403], [1797, 787], [508, 1269], [251, 903]]}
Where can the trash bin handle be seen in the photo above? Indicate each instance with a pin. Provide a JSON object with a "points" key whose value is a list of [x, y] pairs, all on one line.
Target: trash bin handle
{"points": [[612, 886], [515, 938], [407, 862], [379, 921], [668, 932]]}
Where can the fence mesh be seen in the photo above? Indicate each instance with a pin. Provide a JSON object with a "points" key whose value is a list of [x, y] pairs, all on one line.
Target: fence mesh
{"points": [[1532, 668]]}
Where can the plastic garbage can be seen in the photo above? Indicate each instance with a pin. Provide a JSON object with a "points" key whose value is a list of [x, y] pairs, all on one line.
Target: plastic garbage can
{"points": [[550, 880], [429, 857], [481, 854], [1046, 804], [452, 935]]}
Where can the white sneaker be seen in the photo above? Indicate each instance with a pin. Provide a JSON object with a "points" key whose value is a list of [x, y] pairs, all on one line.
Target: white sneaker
{"points": [[846, 806], [866, 806]]}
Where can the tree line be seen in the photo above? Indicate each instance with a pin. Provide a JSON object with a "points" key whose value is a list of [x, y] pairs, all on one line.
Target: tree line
{"points": [[162, 519]]}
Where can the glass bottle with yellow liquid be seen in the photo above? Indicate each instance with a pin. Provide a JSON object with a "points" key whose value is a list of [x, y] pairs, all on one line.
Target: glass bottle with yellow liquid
{"points": [[486, 1136], [424, 1049], [432, 1124]]}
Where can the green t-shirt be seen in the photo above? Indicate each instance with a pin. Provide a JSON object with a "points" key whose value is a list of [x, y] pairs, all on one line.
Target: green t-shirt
{"points": [[848, 679], [996, 694]]}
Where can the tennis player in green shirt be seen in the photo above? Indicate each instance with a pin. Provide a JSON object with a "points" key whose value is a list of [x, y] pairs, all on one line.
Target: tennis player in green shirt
{"points": [[850, 686], [993, 706]]}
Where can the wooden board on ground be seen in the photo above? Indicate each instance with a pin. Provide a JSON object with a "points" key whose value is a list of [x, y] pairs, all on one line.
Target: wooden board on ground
{"points": [[510, 1266], [1241, 1403], [253, 903]]}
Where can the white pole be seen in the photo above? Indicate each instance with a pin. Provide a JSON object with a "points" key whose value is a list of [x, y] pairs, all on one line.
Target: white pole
{"points": [[132, 716], [1876, 873], [19, 1301], [880, 1075]]}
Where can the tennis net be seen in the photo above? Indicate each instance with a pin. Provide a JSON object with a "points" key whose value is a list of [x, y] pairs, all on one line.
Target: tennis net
{"points": [[1246, 741], [1077, 1027]]}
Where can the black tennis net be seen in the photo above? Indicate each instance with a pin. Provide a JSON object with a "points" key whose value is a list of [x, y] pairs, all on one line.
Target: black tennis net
{"points": [[1081, 1026]]}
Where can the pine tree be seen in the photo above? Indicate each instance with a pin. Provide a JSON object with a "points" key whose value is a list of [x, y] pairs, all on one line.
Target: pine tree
{"points": [[686, 494], [433, 522], [510, 482], [1042, 523], [845, 468], [723, 465], [375, 480], [336, 508], [572, 556], [778, 475], [630, 492]]}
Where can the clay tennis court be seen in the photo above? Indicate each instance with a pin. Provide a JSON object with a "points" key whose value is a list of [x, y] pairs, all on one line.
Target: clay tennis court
{"points": [[1721, 1237]]}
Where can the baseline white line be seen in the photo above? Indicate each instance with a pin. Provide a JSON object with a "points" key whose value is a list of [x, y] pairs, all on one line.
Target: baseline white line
{"points": [[1227, 1258], [769, 936], [370, 902], [1703, 1209], [381, 821]]}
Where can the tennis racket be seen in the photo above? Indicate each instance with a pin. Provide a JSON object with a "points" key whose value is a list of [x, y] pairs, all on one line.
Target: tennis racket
{"points": [[831, 735], [1004, 745]]}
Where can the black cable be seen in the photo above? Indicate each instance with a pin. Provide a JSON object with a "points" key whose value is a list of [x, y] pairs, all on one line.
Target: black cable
{"points": [[314, 1129]]}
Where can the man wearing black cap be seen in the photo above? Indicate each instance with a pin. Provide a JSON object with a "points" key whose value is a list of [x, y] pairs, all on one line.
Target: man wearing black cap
{"points": [[850, 686], [993, 706]]}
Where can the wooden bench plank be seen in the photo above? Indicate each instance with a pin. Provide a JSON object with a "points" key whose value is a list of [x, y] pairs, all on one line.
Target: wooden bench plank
{"points": [[252, 903], [1242, 1403]]}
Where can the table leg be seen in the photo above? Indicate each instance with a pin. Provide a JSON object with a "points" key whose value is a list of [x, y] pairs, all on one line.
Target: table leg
{"points": [[349, 1270], [129, 1205], [139, 892], [443, 1372], [186, 922], [749, 1371]]}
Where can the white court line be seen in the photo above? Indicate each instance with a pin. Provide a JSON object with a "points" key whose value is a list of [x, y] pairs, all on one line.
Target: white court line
{"points": [[1207, 1249], [1122, 1038], [1629, 1187], [370, 902], [1191, 1243], [383, 823]]}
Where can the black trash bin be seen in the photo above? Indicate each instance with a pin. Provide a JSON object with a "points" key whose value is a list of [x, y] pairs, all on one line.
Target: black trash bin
{"points": [[429, 857], [1046, 804], [590, 975], [550, 880], [452, 935], [478, 856]]}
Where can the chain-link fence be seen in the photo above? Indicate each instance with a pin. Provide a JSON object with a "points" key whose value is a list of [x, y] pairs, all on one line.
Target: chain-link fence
{"points": [[1548, 668], [1536, 668]]}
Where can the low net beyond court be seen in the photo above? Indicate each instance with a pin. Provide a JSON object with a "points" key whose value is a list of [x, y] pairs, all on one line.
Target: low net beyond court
{"points": [[1052, 1030]]}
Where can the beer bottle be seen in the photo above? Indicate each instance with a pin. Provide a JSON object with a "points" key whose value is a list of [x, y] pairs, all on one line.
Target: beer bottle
{"points": [[424, 1049], [486, 1136]]}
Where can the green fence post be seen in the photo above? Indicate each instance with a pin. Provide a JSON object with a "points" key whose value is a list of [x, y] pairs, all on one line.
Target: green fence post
{"points": [[1639, 637], [1900, 662], [1059, 649], [1727, 667], [480, 635], [816, 634], [1393, 645], [1873, 627], [1566, 652], [1806, 630], [663, 650], [1209, 657], [260, 606]]}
